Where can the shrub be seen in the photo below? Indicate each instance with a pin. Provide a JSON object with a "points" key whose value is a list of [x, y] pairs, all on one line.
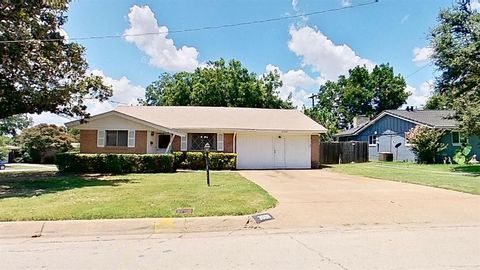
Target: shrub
{"points": [[462, 155], [426, 143], [115, 163], [196, 160]]}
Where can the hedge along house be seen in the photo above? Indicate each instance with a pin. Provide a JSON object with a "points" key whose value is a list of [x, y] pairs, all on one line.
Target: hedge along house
{"points": [[261, 138], [390, 127]]}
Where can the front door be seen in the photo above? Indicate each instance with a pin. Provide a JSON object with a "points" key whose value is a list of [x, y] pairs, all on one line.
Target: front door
{"points": [[279, 152]]}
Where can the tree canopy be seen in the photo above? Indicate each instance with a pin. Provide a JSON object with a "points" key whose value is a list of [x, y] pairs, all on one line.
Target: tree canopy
{"points": [[41, 142], [217, 84], [11, 125], [456, 53], [40, 70], [360, 93]]}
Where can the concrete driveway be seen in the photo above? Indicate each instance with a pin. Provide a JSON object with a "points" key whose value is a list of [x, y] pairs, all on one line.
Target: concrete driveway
{"points": [[321, 198]]}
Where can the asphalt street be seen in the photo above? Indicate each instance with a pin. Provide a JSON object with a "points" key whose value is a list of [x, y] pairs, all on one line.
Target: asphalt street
{"points": [[420, 247]]}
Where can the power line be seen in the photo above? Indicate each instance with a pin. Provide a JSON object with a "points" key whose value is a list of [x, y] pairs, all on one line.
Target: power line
{"points": [[418, 70], [199, 28]]}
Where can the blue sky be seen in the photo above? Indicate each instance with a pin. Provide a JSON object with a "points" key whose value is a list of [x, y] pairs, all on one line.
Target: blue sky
{"points": [[306, 51]]}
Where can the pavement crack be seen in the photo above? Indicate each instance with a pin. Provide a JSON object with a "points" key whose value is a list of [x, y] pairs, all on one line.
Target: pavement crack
{"points": [[319, 254]]}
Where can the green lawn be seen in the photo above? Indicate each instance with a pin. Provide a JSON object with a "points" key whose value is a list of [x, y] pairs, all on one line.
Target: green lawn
{"points": [[55, 197], [455, 177]]}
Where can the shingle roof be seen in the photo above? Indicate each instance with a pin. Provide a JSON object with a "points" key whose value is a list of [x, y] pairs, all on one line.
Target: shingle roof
{"points": [[351, 131], [432, 118], [224, 118], [442, 119]]}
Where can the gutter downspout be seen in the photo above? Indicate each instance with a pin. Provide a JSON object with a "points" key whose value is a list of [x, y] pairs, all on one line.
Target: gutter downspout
{"points": [[235, 142]]}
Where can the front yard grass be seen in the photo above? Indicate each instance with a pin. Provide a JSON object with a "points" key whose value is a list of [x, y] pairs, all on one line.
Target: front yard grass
{"points": [[464, 178], [57, 197]]}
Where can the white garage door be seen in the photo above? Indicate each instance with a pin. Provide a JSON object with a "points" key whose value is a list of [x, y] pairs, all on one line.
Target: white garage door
{"points": [[269, 151]]}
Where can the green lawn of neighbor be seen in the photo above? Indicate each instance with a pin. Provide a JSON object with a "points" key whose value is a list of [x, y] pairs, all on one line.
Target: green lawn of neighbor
{"points": [[55, 197], [464, 178]]}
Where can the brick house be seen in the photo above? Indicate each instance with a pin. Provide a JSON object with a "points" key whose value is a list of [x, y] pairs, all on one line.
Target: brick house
{"points": [[262, 138]]}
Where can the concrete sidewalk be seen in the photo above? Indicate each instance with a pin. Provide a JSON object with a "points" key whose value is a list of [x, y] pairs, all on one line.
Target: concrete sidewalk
{"points": [[27, 229]]}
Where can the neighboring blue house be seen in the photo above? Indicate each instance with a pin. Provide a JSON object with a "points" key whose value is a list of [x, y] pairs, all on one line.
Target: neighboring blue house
{"points": [[389, 128]]}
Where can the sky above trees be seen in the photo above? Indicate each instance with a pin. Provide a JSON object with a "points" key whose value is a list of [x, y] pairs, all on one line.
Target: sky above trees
{"points": [[306, 50]]}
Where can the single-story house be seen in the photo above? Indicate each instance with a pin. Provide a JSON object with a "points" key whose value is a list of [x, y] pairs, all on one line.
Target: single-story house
{"points": [[261, 138], [390, 127]]}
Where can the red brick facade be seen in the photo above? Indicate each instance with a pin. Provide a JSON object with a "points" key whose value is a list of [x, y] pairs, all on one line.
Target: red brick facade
{"points": [[315, 151], [88, 144], [228, 143]]}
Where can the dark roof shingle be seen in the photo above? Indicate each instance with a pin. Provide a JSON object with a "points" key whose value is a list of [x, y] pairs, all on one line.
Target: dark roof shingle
{"points": [[442, 119]]}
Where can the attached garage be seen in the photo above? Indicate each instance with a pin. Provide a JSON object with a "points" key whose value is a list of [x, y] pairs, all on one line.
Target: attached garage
{"points": [[273, 151]]}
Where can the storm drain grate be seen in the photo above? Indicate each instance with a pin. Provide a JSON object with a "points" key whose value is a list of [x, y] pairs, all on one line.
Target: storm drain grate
{"points": [[184, 211], [262, 217]]}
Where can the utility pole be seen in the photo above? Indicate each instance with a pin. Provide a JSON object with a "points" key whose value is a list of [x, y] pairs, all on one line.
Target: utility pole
{"points": [[312, 97]]}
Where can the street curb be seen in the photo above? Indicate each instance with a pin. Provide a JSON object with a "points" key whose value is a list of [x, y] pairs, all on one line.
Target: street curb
{"points": [[33, 229]]}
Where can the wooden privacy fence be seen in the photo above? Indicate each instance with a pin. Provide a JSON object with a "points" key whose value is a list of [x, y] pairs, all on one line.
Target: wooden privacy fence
{"points": [[343, 152]]}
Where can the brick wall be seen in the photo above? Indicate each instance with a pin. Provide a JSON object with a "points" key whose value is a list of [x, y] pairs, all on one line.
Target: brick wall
{"points": [[88, 144], [315, 151], [228, 143], [176, 144]]}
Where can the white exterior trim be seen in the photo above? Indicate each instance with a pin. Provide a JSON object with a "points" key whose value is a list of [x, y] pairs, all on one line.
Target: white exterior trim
{"points": [[78, 125], [220, 142], [183, 143], [131, 138], [101, 138]]}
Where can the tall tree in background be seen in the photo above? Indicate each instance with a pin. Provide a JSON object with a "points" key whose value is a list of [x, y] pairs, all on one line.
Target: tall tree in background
{"points": [[42, 76], [456, 53], [217, 84], [360, 93]]}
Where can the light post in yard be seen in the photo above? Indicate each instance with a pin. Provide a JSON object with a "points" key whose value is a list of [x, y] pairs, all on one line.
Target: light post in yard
{"points": [[207, 149]]}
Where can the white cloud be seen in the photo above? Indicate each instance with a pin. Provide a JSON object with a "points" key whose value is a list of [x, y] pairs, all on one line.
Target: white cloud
{"points": [[346, 3], [297, 82], [475, 5], [405, 18], [420, 95], [124, 93], [322, 54], [158, 47], [295, 4], [421, 56]]}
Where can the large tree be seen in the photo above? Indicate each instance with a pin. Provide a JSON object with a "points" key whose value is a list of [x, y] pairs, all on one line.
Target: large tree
{"points": [[40, 70], [217, 84], [360, 93], [456, 53], [11, 125]]}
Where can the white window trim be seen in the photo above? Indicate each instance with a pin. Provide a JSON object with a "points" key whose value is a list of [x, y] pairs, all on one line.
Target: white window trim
{"points": [[459, 138], [183, 143], [131, 138], [220, 142], [101, 134], [376, 140]]}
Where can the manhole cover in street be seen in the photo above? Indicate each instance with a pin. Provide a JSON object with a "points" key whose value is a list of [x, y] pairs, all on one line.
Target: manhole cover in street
{"points": [[262, 217], [184, 210]]}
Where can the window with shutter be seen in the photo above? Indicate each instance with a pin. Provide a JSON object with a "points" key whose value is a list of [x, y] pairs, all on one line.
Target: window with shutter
{"points": [[131, 138], [100, 138], [183, 143], [220, 142]]}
